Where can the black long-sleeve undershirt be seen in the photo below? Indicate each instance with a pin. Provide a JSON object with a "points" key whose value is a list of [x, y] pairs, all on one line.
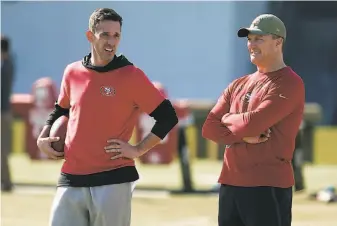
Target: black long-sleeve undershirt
{"points": [[164, 115]]}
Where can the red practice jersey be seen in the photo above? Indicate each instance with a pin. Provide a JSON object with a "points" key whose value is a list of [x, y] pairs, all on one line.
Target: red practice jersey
{"points": [[103, 105], [251, 105]]}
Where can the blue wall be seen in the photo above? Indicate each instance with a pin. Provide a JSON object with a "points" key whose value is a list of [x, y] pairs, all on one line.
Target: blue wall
{"points": [[189, 46]]}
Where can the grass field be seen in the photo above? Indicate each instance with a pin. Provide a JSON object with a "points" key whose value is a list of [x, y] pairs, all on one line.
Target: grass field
{"points": [[26, 209], [30, 206]]}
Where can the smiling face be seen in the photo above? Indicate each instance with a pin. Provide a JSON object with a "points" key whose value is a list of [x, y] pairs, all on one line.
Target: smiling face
{"points": [[105, 40], [263, 49], [104, 34]]}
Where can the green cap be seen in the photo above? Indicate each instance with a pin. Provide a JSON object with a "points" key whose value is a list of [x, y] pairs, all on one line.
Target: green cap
{"points": [[263, 25]]}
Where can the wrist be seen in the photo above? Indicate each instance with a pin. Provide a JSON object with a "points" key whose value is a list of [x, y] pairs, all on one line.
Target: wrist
{"points": [[45, 131], [140, 149]]}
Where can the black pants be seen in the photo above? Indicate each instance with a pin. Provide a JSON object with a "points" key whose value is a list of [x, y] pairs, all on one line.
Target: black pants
{"points": [[254, 206]]}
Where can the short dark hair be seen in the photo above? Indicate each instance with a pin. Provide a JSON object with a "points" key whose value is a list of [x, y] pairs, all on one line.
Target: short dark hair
{"points": [[102, 14], [5, 44]]}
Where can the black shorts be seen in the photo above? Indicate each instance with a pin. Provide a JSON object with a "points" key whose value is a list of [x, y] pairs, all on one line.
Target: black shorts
{"points": [[254, 206]]}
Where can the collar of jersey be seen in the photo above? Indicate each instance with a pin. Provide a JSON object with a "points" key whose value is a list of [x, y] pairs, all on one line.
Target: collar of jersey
{"points": [[117, 62]]}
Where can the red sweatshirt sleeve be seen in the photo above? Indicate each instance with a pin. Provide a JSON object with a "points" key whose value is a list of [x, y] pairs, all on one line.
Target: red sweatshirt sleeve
{"points": [[279, 102], [64, 97], [213, 129]]}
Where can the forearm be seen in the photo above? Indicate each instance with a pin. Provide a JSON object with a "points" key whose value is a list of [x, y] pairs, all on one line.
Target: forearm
{"points": [[243, 124], [166, 119], [148, 143], [45, 131], [215, 131]]}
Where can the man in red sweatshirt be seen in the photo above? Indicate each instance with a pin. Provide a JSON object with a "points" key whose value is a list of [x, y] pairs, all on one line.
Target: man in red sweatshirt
{"points": [[257, 117]]}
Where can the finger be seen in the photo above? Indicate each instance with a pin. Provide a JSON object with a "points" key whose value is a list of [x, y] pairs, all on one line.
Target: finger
{"points": [[256, 141], [113, 147], [56, 157], [53, 139], [51, 151], [116, 156], [265, 134], [113, 150], [52, 157], [115, 141], [263, 139]]}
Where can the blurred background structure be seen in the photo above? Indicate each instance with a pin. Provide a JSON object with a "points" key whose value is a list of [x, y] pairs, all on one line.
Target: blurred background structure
{"points": [[193, 50]]}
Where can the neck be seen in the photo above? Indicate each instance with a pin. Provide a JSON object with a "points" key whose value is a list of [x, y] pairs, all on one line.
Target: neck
{"points": [[276, 64], [95, 59]]}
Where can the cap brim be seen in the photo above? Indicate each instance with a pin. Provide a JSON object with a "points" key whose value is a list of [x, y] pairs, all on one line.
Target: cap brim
{"points": [[243, 32]]}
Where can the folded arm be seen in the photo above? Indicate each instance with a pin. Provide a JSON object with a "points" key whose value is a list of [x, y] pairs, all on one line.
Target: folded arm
{"points": [[213, 129], [277, 104]]}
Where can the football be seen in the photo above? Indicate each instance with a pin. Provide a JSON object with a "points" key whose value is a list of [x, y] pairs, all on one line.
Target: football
{"points": [[59, 129]]}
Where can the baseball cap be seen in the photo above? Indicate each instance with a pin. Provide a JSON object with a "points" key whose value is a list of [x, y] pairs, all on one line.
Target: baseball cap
{"points": [[263, 25]]}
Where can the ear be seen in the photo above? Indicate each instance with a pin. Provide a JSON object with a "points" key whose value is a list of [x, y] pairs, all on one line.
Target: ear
{"points": [[279, 41], [90, 36]]}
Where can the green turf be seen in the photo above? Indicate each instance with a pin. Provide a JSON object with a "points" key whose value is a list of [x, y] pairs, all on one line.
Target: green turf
{"points": [[205, 173], [33, 210], [19, 209]]}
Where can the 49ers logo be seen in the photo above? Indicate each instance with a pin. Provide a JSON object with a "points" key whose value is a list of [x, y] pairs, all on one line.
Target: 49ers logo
{"points": [[107, 91]]}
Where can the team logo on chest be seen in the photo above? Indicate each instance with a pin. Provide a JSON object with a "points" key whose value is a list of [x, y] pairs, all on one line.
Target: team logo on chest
{"points": [[246, 98], [107, 91]]}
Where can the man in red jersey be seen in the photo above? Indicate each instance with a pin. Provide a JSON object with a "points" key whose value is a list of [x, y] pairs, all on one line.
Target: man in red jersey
{"points": [[257, 117], [103, 95]]}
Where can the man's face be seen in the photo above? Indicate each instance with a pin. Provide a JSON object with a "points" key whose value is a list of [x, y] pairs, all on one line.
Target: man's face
{"points": [[106, 39], [263, 49]]}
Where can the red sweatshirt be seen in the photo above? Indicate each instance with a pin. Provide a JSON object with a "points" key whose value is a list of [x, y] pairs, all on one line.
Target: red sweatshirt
{"points": [[248, 107]]}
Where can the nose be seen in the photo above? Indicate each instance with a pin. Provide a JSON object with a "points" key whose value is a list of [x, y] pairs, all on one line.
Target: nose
{"points": [[111, 41]]}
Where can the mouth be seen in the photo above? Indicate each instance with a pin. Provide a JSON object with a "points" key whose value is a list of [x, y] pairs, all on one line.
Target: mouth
{"points": [[108, 50], [254, 52]]}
